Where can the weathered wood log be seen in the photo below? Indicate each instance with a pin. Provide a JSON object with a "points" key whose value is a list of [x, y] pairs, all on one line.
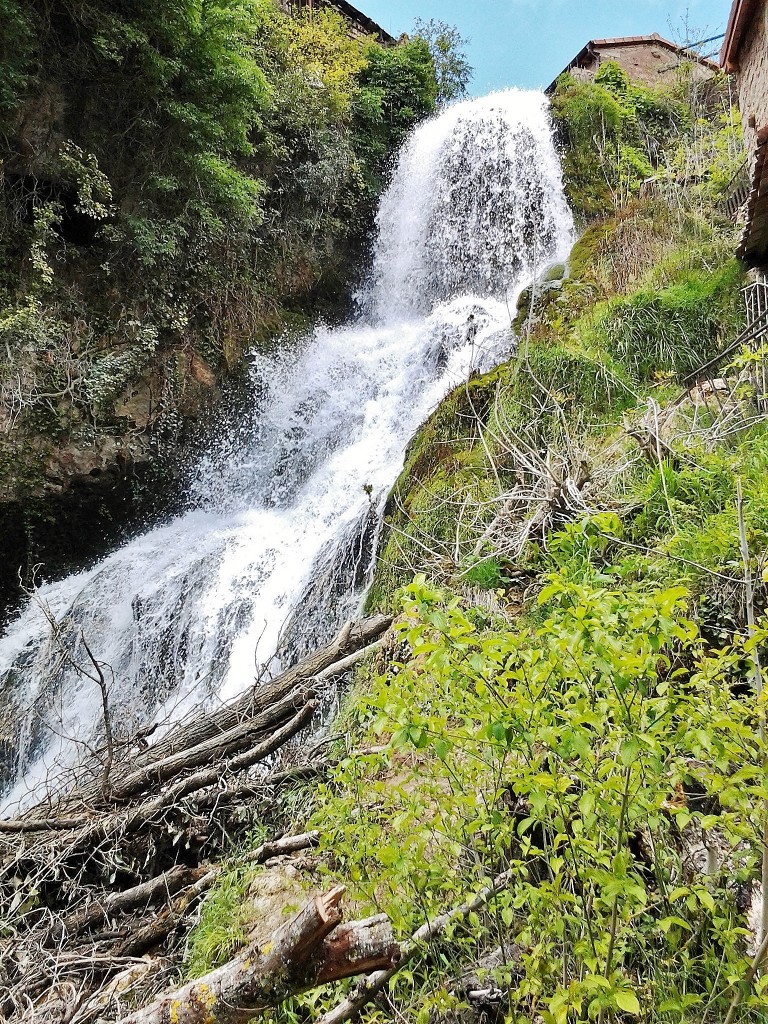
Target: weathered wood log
{"points": [[140, 815], [18, 826], [338, 668], [101, 910], [189, 734], [300, 955], [219, 746], [282, 847], [374, 983], [152, 934], [351, 949]]}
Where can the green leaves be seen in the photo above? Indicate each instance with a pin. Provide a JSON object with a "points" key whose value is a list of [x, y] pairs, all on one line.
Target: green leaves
{"points": [[452, 69], [627, 1000], [565, 752]]}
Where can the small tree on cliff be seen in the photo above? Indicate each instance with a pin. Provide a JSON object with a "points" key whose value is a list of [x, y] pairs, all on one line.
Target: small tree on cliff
{"points": [[452, 69]]}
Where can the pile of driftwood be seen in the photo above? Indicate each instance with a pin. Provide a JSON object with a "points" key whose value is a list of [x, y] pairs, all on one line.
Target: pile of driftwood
{"points": [[99, 885]]}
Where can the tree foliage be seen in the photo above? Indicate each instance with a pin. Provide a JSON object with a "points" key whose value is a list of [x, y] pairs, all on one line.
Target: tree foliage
{"points": [[447, 46], [397, 89], [207, 169]]}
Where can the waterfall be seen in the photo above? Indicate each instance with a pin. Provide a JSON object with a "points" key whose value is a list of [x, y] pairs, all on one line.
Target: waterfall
{"points": [[276, 548]]}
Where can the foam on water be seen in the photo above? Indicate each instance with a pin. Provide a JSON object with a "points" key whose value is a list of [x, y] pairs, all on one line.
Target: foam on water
{"points": [[184, 614]]}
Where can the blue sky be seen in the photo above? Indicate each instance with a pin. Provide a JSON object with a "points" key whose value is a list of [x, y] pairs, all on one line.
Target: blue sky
{"points": [[528, 42]]}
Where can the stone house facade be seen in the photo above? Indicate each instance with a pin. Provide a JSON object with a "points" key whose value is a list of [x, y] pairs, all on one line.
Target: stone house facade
{"points": [[360, 25], [648, 60], [745, 55]]}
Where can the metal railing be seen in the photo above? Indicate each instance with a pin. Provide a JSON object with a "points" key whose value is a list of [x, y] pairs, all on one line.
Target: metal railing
{"points": [[736, 192], [756, 298], [733, 392]]}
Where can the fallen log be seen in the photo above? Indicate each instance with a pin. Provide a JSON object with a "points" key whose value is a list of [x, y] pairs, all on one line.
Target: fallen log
{"points": [[311, 949], [120, 823], [101, 910], [216, 747], [282, 847], [18, 826], [374, 983], [186, 744], [153, 933], [350, 639]]}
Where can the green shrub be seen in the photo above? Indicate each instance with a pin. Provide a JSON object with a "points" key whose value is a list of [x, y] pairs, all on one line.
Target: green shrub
{"points": [[397, 89], [569, 753], [452, 69], [485, 573], [613, 134]]}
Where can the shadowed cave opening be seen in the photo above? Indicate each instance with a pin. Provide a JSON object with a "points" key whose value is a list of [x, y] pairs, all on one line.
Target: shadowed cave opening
{"points": [[26, 193]]}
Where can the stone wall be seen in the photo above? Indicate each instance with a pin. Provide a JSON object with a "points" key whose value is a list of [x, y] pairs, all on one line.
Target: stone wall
{"points": [[753, 77], [650, 63], [360, 26]]}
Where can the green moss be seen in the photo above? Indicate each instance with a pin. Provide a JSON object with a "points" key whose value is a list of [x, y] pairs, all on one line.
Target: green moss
{"points": [[221, 929], [448, 491]]}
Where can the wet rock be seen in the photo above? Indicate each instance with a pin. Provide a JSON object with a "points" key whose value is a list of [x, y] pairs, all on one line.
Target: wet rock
{"points": [[557, 272]]}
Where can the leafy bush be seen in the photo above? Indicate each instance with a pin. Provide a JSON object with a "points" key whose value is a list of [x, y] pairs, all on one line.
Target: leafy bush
{"points": [[613, 134], [397, 89], [689, 512], [572, 754]]}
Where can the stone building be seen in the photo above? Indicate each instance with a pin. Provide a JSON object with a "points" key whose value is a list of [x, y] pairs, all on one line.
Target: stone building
{"points": [[745, 55], [648, 60], [360, 25]]}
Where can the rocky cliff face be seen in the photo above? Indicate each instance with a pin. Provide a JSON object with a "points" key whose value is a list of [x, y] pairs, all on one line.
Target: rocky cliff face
{"points": [[173, 192]]}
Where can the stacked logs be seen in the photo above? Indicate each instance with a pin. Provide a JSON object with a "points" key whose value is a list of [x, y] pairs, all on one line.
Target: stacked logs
{"points": [[99, 885]]}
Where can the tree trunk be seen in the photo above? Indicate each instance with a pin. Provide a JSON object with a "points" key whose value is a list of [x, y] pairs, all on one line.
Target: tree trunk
{"points": [[309, 950]]}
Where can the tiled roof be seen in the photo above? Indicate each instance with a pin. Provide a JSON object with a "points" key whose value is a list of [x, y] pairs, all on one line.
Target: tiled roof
{"points": [[658, 40], [742, 13], [654, 39]]}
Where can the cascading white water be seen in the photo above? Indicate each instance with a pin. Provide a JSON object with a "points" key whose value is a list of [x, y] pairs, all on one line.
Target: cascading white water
{"points": [[184, 613]]}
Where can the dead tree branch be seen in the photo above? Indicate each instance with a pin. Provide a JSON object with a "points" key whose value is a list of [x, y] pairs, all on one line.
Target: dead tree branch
{"points": [[374, 983], [311, 949]]}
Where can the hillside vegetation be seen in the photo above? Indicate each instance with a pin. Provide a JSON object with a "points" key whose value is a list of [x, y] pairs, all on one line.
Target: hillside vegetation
{"points": [[544, 795], [570, 710]]}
